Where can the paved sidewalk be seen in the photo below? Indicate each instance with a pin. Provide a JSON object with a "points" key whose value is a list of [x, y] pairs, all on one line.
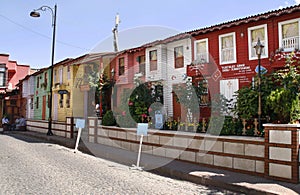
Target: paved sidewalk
{"points": [[182, 170]]}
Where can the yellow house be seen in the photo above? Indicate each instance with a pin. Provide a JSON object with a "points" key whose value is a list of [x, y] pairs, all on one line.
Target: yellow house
{"points": [[88, 70], [63, 83], [74, 85]]}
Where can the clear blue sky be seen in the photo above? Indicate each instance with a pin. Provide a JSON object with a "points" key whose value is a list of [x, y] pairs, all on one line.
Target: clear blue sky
{"points": [[84, 25]]}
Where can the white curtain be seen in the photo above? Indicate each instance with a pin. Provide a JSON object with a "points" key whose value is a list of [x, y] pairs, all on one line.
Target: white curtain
{"points": [[228, 88]]}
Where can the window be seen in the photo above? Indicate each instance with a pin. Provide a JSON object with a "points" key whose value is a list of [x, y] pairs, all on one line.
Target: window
{"points": [[46, 78], [201, 51], [2, 75], [68, 72], [44, 83], [157, 92], [31, 103], [61, 76], [61, 101], [121, 66], [153, 60], [227, 48], [37, 103], [141, 61], [204, 97], [289, 35], [37, 82], [68, 100], [228, 89], [178, 57], [55, 75], [255, 33]]}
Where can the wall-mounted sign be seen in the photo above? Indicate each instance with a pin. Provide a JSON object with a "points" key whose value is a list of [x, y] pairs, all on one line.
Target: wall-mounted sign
{"points": [[85, 87], [236, 69]]}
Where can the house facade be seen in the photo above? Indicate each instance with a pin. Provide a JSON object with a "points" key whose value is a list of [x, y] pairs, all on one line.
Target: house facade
{"points": [[10, 74], [224, 55], [28, 95], [41, 94], [63, 81], [129, 66], [166, 65], [88, 71]]}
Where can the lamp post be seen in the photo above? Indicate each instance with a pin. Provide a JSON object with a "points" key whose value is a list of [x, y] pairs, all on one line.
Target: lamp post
{"points": [[35, 13], [258, 48], [112, 87]]}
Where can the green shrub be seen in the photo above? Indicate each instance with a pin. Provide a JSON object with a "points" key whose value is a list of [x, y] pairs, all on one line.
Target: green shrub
{"points": [[228, 126], [295, 110], [109, 119]]}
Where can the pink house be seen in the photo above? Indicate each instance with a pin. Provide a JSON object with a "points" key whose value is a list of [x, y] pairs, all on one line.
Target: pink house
{"points": [[10, 74]]}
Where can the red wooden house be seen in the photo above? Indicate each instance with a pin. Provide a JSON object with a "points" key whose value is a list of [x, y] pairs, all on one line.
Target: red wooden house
{"points": [[224, 56], [126, 66]]}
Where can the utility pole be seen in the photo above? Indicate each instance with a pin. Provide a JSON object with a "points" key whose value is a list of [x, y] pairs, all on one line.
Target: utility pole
{"points": [[115, 32]]}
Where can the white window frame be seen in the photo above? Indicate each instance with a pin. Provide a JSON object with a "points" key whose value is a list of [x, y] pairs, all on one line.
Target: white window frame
{"points": [[2, 77], [55, 75], [280, 24], [60, 75], [228, 87], [234, 48], [175, 53], [196, 52], [149, 54], [265, 54], [68, 72]]}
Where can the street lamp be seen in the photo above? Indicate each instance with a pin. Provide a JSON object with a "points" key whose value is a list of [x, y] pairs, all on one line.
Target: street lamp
{"points": [[112, 87], [35, 13], [259, 48]]}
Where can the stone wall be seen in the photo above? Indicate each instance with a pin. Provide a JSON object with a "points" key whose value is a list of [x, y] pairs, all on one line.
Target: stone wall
{"points": [[282, 152], [63, 129], [238, 153]]}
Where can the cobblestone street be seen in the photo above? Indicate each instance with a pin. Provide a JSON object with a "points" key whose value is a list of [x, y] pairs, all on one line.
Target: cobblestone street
{"points": [[33, 167]]}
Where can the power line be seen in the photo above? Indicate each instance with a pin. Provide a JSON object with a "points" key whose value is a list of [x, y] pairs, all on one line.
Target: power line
{"points": [[42, 35]]}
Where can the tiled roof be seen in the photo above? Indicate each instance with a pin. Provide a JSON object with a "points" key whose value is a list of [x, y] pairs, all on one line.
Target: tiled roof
{"points": [[237, 22], [92, 57], [267, 15]]}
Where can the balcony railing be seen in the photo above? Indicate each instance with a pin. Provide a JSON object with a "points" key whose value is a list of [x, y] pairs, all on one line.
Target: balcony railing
{"points": [[290, 43]]}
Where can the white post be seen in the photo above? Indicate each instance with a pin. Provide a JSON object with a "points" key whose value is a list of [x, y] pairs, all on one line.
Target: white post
{"points": [[140, 151], [77, 141], [142, 129]]}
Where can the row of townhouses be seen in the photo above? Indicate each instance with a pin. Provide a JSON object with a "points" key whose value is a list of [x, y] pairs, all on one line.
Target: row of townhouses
{"points": [[222, 56]]}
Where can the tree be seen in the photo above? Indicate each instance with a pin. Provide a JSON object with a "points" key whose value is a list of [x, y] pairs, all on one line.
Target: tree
{"points": [[282, 101]]}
